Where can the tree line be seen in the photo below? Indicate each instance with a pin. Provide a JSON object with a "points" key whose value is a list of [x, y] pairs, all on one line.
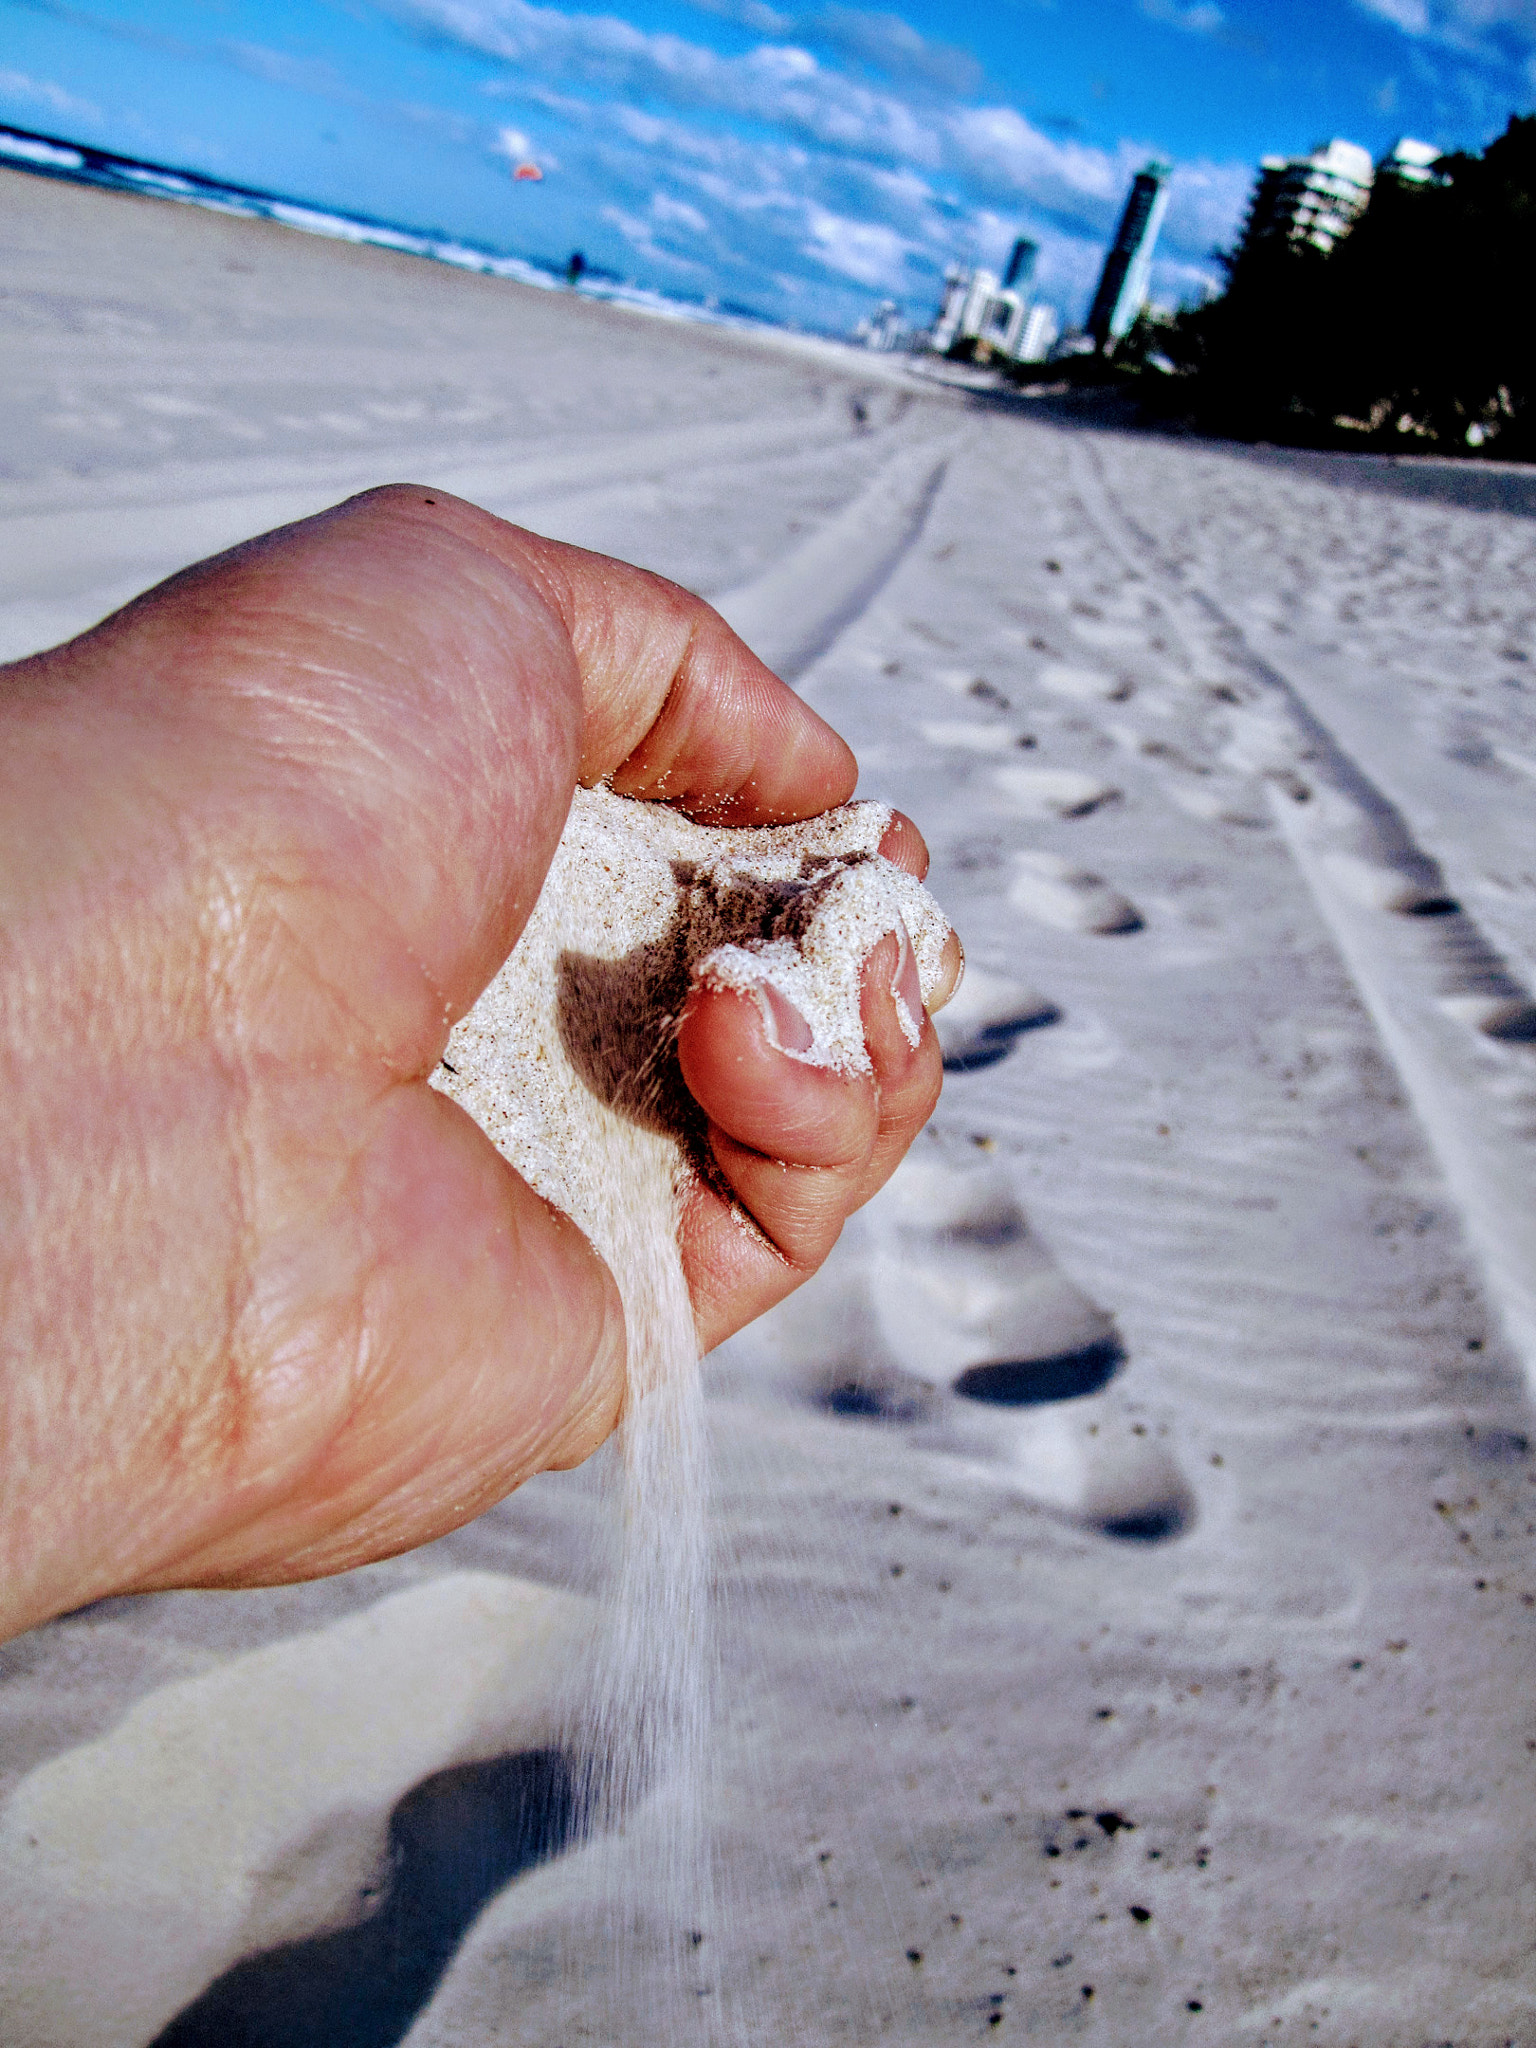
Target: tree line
{"points": [[1414, 333]]}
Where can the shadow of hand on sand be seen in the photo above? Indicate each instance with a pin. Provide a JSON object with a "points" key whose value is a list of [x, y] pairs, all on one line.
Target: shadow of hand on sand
{"points": [[455, 1840], [618, 1029]]}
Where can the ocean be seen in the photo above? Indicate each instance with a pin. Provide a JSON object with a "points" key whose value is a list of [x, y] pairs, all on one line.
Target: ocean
{"points": [[79, 163]]}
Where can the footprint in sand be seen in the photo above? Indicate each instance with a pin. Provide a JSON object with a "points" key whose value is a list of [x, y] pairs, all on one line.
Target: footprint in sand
{"points": [[968, 737], [1215, 803], [975, 1302], [943, 1312], [965, 682], [1054, 892], [985, 1018], [1053, 792], [1084, 685], [1194, 786], [971, 1300], [1110, 634], [1089, 1460], [1510, 1019]]}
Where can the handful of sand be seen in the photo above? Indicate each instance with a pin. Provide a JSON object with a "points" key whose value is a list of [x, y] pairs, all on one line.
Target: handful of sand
{"points": [[567, 1060]]}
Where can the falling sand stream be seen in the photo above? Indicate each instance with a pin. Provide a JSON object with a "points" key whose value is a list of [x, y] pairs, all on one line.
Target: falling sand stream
{"points": [[567, 1062]]}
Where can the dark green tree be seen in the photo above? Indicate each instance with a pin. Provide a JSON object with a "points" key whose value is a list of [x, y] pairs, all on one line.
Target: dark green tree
{"points": [[1414, 332]]}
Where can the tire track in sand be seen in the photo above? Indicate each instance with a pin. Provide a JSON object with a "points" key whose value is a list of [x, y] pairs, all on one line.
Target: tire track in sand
{"points": [[62, 568], [792, 613], [1455, 1021]]}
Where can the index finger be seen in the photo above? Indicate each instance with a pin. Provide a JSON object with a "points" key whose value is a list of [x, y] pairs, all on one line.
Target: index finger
{"points": [[676, 706]]}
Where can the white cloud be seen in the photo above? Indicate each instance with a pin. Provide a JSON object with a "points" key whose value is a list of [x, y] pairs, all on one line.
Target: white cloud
{"points": [[997, 145], [1205, 203], [1483, 28], [44, 93], [1410, 15], [880, 41], [677, 213], [281, 67], [847, 180], [779, 83], [752, 14], [1198, 17], [866, 251], [640, 231], [888, 44]]}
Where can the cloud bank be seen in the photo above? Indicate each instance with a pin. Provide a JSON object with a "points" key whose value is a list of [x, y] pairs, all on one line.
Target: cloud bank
{"points": [[1499, 33], [840, 157]]}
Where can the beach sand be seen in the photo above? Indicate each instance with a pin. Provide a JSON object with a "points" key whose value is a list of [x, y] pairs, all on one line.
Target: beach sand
{"points": [[1125, 1552]]}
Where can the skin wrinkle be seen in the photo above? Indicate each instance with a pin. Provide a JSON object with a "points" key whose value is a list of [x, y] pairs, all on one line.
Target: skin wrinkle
{"points": [[359, 1374], [651, 710], [130, 1175], [742, 1215], [544, 565], [410, 1065], [286, 1370], [674, 686], [676, 709], [223, 937], [811, 1237], [330, 725], [105, 1026], [270, 615], [309, 948], [340, 1545], [362, 818]]}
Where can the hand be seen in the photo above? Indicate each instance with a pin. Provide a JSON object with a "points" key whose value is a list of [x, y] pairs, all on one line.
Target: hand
{"points": [[270, 1306]]}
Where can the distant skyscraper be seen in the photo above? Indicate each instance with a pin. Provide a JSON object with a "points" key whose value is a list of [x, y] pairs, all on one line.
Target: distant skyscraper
{"points": [[1308, 201], [1021, 267], [1039, 336], [1127, 269], [1410, 162]]}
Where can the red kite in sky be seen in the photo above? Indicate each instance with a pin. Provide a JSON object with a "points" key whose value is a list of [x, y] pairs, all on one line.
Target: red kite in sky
{"points": [[530, 171]]}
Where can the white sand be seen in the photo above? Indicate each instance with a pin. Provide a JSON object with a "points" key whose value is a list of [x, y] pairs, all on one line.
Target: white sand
{"points": [[164, 1823], [1268, 1136]]}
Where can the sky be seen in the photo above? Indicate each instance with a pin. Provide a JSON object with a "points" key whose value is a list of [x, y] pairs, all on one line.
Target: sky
{"points": [[805, 161]]}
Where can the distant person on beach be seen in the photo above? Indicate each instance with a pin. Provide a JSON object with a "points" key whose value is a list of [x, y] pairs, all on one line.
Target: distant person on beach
{"points": [[270, 1306]]}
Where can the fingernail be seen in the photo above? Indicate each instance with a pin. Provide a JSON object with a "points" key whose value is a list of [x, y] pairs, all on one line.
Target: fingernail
{"points": [[907, 988], [783, 1025]]}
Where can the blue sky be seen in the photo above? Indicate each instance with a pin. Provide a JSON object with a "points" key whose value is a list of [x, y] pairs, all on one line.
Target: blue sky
{"points": [[802, 159]]}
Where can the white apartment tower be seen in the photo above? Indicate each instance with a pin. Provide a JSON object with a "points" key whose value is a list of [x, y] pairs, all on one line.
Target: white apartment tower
{"points": [[1410, 162], [1309, 201]]}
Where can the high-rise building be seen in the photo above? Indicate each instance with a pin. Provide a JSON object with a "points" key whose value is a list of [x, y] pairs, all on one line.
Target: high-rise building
{"points": [[1308, 201], [963, 314], [884, 329], [1039, 335], [1410, 162], [1020, 273], [1127, 268], [981, 318]]}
